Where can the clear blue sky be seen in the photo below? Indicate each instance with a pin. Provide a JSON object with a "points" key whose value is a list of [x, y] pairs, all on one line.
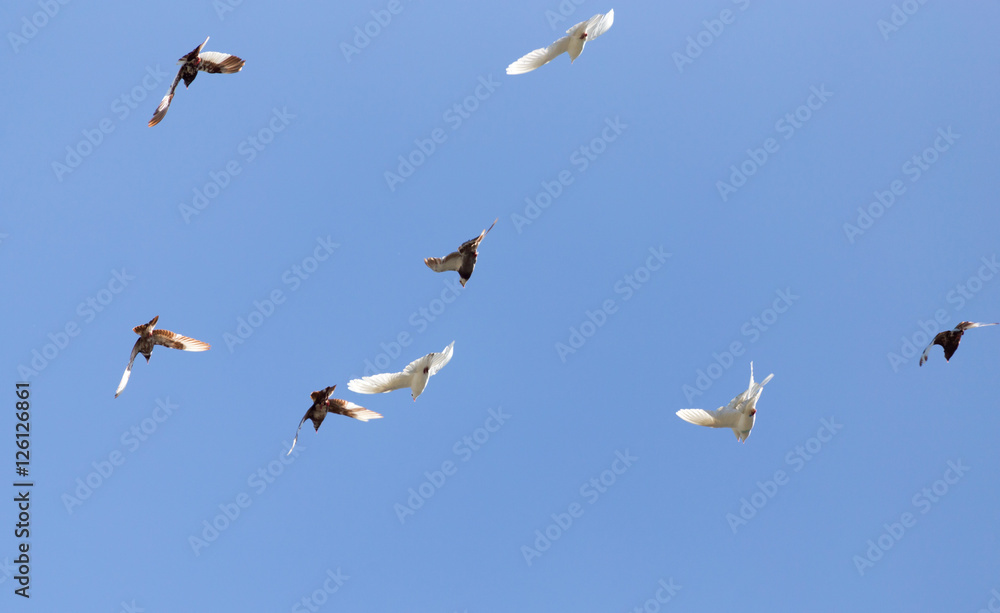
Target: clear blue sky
{"points": [[677, 198]]}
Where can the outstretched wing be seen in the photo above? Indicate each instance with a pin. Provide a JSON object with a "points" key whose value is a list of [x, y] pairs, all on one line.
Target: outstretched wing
{"points": [[599, 24], [344, 407], [712, 419], [161, 110], [214, 62], [452, 261], [176, 341], [438, 360], [296, 439], [540, 57], [381, 383], [128, 369]]}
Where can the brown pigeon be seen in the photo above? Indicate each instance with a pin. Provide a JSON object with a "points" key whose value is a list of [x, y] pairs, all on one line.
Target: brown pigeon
{"points": [[949, 339], [148, 337], [210, 61], [463, 260], [323, 404]]}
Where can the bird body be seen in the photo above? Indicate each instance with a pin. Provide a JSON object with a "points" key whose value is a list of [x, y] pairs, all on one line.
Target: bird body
{"points": [[149, 336], [739, 414], [323, 404], [414, 376], [211, 62], [949, 340], [464, 260], [573, 43]]}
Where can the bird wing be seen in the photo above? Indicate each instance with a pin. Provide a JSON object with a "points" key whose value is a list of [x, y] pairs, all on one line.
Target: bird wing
{"points": [[296, 439], [927, 351], [381, 383], [176, 341], [345, 407], [452, 261], [713, 419], [161, 110], [539, 57], [128, 369], [599, 24], [438, 360], [214, 62]]}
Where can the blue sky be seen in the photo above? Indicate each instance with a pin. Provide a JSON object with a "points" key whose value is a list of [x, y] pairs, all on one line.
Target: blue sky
{"points": [[810, 187]]}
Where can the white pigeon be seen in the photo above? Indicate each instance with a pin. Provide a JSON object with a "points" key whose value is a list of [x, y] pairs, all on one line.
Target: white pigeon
{"points": [[738, 414], [576, 37], [414, 376]]}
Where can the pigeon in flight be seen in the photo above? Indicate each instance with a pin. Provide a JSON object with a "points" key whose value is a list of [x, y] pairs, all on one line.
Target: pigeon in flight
{"points": [[323, 404], [148, 337], [949, 339], [209, 61], [463, 260], [576, 37], [738, 414], [414, 376]]}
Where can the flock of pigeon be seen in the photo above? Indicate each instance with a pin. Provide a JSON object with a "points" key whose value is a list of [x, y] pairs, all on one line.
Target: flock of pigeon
{"points": [[738, 415]]}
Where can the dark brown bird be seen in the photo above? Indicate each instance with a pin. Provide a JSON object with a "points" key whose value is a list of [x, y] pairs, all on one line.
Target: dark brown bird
{"points": [[148, 337], [323, 404], [949, 339], [463, 260], [210, 61]]}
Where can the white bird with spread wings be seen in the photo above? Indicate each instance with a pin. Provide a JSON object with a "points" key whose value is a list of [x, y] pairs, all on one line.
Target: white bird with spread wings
{"points": [[573, 43], [414, 376], [739, 414]]}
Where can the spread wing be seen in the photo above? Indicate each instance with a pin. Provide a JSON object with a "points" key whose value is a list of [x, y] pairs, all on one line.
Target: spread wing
{"points": [[128, 369], [712, 419], [438, 360], [161, 111], [381, 383], [176, 341], [214, 62], [599, 24], [540, 57], [296, 439], [452, 261], [344, 407]]}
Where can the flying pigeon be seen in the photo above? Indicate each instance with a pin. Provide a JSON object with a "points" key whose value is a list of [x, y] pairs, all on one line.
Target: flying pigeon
{"points": [[209, 61], [463, 260], [148, 337], [949, 339], [738, 414], [414, 376], [576, 37], [323, 404]]}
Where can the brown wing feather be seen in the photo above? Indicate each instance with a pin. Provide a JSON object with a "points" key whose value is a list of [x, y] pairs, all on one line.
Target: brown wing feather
{"points": [[176, 341], [452, 261]]}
